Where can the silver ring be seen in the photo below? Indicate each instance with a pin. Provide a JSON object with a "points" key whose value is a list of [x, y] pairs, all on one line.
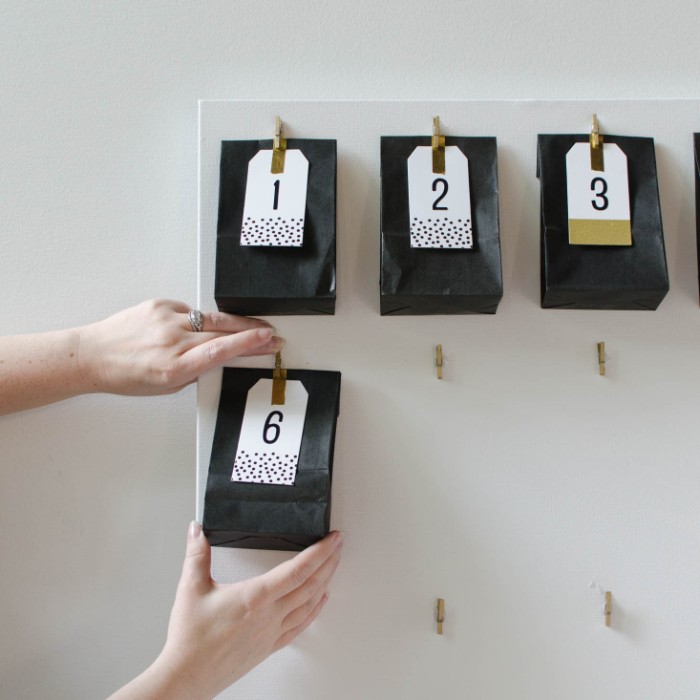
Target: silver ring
{"points": [[196, 319]]}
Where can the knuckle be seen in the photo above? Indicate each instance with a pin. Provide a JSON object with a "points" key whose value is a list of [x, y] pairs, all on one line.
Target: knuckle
{"points": [[168, 376], [300, 574], [215, 349], [216, 320], [152, 305]]}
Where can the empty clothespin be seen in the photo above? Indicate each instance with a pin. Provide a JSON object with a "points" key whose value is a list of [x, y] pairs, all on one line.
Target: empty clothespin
{"points": [[279, 381], [596, 140], [438, 144], [279, 146], [438, 360], [440, 617], [607, 609], [601, 359]]}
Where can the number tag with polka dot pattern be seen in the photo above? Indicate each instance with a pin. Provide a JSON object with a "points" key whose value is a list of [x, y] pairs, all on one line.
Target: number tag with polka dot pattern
{"points": [[439, 205], [275, 204], [598, 201], [268, 448]]}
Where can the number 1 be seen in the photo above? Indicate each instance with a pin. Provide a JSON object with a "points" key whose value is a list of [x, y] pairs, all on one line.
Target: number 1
{"points": [[277, 194]]}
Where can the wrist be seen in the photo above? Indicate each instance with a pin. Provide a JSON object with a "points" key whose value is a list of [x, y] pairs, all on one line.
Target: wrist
{"points": [[90, 366], [160, 681], [176, 680]]}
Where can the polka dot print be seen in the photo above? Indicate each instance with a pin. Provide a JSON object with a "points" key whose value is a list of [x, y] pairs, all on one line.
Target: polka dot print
{"points": [[265, 468], [441, 233], [274, 231]]}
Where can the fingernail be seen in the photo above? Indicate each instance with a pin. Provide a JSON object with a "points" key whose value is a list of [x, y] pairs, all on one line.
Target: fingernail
{"points": [[338, 539], [277, 342], [265, 333], [194, 531]]}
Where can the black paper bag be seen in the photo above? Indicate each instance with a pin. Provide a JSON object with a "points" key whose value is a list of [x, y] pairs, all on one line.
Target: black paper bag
{"points": [[272, 281], [272, 516], [433, 281], [696, 142], [592, 276]]}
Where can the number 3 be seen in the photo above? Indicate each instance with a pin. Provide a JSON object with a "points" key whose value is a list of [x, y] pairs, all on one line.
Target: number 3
{"points": [[275, 427], [599, 195]]}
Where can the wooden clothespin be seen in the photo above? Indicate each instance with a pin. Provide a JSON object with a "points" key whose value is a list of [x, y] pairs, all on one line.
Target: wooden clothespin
{"points": [[440, 618], [279, 381], [601, 359], [607, 609], [438, 360], [279, 146], [438, 143], [596, 140]]}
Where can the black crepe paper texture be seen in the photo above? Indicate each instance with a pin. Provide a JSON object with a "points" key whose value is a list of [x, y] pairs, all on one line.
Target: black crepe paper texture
{"points": [[601, 277], [268, 280], [418, 281], [272, 516], [696, 142]]}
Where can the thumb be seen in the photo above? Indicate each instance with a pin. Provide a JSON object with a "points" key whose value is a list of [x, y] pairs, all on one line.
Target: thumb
{"points": [[196, 569]]}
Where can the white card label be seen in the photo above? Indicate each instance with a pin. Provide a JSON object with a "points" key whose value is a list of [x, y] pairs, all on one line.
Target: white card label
{"points": [[275, 205], [439, 205], [598, 202], [268, 448]]}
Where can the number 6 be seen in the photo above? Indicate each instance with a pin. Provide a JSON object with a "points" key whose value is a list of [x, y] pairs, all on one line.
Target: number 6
{"points": [[272, 426]]}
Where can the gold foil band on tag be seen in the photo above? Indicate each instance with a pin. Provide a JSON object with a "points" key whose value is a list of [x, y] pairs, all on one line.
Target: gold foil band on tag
{"points": [[599, 232]]}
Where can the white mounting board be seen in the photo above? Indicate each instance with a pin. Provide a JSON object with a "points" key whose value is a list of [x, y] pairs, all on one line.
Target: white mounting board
{"points": [[520, 477]]}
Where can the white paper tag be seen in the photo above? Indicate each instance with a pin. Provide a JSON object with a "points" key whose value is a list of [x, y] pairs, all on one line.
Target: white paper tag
{"points": [[598, 202], [275, 205], [439, 205], [268, 448]]}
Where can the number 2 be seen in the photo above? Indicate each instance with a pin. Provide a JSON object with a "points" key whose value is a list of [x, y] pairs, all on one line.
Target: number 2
{"points": [[276, 200], [275, 427], [599, 195], [443, 182]]}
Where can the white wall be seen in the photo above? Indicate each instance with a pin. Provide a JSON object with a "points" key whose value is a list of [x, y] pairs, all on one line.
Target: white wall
{"points": [[98, 161]]}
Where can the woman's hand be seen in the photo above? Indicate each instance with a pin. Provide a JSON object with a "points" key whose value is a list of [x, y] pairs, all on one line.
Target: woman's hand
{"points": [[219, 632], [147, 349], [152, 348]]}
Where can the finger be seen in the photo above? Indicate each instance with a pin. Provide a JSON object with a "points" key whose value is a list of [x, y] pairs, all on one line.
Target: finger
{"points": [[220, 322], [313, 587], [214, 352], [291, 634], [288, 576], [196, 569], [274, 346], [299, 615]]}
